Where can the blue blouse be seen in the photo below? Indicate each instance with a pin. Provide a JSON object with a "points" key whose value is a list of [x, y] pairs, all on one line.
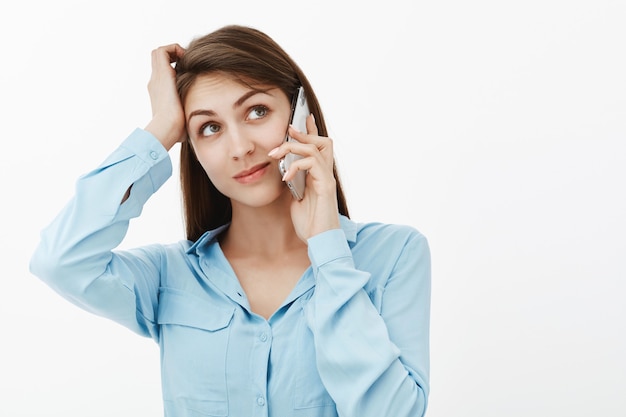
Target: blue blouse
{"points": [[352, 338]]}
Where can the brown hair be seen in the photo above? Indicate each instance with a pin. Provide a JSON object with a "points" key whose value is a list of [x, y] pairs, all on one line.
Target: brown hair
{"points": [[252, 57]]}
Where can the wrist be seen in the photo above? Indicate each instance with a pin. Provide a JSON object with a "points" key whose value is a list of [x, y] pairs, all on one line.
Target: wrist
{"points": [[164, 132], [331, 223]]}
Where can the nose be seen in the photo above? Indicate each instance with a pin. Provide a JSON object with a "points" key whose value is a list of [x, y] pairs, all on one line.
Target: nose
{"points": [[240, 144]]}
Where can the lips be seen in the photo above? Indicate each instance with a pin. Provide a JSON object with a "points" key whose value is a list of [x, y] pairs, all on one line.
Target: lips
{"points": [[251, 174]]}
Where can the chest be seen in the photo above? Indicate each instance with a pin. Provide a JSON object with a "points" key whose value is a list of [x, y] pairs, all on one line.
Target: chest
{"points": [[267, 284], [220, 360]]}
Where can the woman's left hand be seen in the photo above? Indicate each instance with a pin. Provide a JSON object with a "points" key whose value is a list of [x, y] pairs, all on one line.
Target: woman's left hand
{"points": [[318, 211]]}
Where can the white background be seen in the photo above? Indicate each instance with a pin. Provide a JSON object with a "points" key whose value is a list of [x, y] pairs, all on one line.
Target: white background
{"points": [[497, 128]]}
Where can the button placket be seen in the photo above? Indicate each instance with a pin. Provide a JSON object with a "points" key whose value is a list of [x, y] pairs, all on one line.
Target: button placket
{"points": [[259, 361]]}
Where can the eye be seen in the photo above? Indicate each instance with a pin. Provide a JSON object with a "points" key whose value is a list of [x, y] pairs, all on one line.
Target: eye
{"points": [[209, 129], [258, 112]]}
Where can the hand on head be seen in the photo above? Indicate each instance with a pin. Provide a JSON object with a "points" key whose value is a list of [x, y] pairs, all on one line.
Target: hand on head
{"points": [[168, 117]]}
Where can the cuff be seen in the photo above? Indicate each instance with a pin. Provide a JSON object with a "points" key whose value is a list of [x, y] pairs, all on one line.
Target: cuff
{"points": [[327, 247]]}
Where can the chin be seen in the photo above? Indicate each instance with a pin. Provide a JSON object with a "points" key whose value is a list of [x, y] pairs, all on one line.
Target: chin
{"points": [[261, 196]]}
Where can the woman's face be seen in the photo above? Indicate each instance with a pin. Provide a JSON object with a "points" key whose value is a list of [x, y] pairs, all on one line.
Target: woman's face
{"points": [[232, 127]]}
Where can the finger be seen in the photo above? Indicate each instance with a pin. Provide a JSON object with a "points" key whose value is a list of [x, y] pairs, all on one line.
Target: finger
{"points": [[174, 52], [320, 141], [311, 125], [297, 135], [302, 164], [323, 145], [169, 53], [322, 150], [298, 148], [314, 169]]}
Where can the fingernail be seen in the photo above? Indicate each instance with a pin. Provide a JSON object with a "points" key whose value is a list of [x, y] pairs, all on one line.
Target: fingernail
{"points": [[273, 152], [284, 176], [293, 127]]}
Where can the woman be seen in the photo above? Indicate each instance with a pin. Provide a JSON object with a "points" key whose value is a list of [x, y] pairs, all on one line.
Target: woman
{"points": [[271, 306]]}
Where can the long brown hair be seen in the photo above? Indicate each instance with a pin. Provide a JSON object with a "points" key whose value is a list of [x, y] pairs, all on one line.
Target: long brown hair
{"points": [[252, 57]]}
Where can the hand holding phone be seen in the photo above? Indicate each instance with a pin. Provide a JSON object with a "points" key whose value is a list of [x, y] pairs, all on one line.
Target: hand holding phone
{"points": [[299, 113]]}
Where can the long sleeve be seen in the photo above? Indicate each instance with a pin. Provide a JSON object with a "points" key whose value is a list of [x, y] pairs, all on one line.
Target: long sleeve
{"points": [[373, 360], [75, 255]]}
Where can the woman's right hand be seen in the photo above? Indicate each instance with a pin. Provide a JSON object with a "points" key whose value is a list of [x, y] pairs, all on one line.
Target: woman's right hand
{"points": [[168, 117]]}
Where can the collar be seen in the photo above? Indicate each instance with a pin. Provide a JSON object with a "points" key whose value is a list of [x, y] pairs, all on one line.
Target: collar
{"points": [[206, 239], [348, 226]]}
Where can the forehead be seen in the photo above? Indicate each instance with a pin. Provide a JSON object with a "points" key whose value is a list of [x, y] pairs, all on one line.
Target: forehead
{"points": [[220, 88], [206, 86]]}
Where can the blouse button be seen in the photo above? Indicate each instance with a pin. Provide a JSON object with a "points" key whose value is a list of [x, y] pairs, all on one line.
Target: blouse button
{"points": [[260, 401], [154, 155], [263, 337]]}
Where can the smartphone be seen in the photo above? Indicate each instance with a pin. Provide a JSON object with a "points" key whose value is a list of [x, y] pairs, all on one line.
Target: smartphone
{"points": [[299, 113]]}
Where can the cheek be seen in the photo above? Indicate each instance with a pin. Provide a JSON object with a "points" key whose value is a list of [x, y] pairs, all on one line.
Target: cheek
{"points": [[274, 134], [212, 169], [210, 162]]}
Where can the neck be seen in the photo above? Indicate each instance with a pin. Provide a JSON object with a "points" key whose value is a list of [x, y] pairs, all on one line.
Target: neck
{"points": [[264, 230]]}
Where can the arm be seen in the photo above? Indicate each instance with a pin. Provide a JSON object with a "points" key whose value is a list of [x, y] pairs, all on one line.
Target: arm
{"points": [[372, 364], [75, 256]]}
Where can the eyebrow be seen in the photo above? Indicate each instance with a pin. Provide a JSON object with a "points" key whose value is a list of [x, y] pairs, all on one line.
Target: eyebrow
{"points": [[236, 104]]}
